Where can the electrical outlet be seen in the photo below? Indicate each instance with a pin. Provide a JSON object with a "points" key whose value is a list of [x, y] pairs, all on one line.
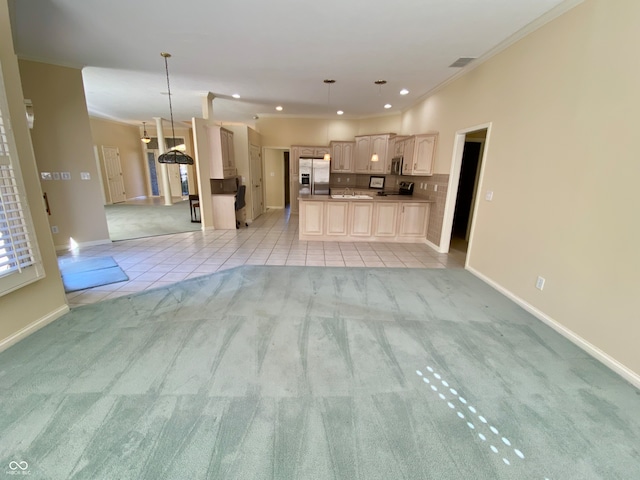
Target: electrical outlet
{"points": [[46, 176], [339, 179], [540, 283], [435, 188], [85, 176], [65, 175], [54, 229], [348, 179]]}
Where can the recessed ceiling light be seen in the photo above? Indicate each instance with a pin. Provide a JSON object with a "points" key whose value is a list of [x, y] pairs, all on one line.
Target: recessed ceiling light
{"points": [[404, 91], [236, 95], [340, 112], [388, 105], [279, 108]]}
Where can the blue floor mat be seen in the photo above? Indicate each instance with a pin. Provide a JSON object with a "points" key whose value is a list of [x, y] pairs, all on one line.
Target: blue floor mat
{"points": [[89, 273]]}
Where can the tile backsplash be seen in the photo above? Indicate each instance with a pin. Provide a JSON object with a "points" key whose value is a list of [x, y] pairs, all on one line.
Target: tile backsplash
{"points": [[439, 195]]}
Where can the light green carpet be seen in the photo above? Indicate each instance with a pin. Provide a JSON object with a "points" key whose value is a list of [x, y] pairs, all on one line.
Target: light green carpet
{"points": [[137, 221], [313, 373]]}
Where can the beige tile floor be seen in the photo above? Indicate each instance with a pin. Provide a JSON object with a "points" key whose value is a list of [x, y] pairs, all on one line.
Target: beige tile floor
{"points": [[270, 240]]}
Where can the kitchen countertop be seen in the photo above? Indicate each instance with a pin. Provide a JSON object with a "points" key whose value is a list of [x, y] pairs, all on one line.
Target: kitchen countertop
{"points": [[375, 198]]}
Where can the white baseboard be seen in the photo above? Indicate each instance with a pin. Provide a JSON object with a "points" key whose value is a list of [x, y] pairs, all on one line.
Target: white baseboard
{"points": [[625, 372], [32, 327], [434, 246], [106, 241]]}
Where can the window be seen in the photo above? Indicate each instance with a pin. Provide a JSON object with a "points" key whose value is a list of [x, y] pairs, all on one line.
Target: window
{"points": [[19, 257]]}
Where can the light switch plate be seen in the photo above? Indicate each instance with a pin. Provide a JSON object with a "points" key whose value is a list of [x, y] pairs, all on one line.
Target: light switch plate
{"points": [[489, 196], [66, 175], [85, 176], [56, 175], [46, 176]]}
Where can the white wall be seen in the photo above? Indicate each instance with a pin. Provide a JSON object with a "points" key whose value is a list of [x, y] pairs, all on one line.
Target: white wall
{"points": [[561, 160]]}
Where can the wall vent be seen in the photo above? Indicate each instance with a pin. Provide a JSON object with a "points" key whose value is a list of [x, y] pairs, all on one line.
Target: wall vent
{"points": [[462, 62]]}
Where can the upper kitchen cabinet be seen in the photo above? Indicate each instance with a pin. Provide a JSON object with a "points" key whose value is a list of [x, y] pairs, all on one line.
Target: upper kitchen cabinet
{"points": [[222, 153], [366, 146], [395, 149], [342, 157], [296, 152], [419, 153]]}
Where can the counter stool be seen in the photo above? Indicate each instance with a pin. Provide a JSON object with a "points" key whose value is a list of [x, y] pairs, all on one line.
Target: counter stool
{"points": [[194, 205]]}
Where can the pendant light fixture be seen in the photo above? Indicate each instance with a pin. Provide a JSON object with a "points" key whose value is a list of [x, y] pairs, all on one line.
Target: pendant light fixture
{"points": [[329, 82], [380, 83], [145, 137], [173, 155]]}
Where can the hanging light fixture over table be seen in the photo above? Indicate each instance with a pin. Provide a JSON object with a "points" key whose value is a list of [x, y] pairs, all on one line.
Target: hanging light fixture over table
{"points": [[173, 155], [329, 82], [380, 83], [145, 137]]}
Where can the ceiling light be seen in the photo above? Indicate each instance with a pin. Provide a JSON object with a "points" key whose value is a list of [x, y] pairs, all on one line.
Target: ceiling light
{"points": [[173, 155], [388, 105], [279, 108], [329, 82], [340, 112], [145, 138], [236, 95], [404, 91]]}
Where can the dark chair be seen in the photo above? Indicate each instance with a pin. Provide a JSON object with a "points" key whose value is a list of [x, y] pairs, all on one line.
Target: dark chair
{"points": [[194, 205], [240, 205]]}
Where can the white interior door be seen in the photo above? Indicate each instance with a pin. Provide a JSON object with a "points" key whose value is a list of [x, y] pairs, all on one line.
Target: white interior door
{"points": [[112, 167], [257, 194]]}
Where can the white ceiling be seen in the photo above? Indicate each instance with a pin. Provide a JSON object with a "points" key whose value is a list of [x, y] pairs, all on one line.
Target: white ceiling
{"points": [[274, 52]]}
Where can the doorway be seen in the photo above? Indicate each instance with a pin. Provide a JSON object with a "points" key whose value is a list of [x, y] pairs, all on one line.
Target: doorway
{"points": [[287, 185], [465, 183], [257, 194], [467, 189]]}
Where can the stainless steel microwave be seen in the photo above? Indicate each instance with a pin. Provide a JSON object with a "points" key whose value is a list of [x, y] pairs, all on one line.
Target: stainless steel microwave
{"points": [[396, 166]]}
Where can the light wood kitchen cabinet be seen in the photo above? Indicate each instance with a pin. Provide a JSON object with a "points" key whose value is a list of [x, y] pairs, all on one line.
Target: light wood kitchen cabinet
{"points": [[296, 152], [396, 149], [413, 220], [336, 215], [224, 212], [366, 146], [386, 219], [222, 154], [361, 219], [342, 157], [398, 146], [312, 218], [419, 152], [294, 161]]}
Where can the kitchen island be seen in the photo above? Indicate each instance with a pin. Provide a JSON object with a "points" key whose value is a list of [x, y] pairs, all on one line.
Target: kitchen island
{"points": [[353, 218]]}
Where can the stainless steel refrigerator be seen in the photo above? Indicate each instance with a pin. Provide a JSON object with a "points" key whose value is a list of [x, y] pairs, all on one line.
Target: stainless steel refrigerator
{"points": [[314, 176]]}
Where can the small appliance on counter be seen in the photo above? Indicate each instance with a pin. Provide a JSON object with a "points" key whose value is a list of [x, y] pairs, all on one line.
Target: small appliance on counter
{"points": [[406, 188]]}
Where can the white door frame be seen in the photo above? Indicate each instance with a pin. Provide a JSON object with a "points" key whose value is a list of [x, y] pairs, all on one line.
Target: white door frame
{"points": [[452, 189], [252, 178]]}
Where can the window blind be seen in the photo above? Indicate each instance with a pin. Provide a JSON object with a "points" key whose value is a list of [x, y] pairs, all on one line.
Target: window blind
{"points": [[19, 258]]}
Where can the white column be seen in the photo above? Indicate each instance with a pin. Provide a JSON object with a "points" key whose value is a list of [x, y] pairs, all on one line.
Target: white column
{"points": [[207, 106], [164, 171]]}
